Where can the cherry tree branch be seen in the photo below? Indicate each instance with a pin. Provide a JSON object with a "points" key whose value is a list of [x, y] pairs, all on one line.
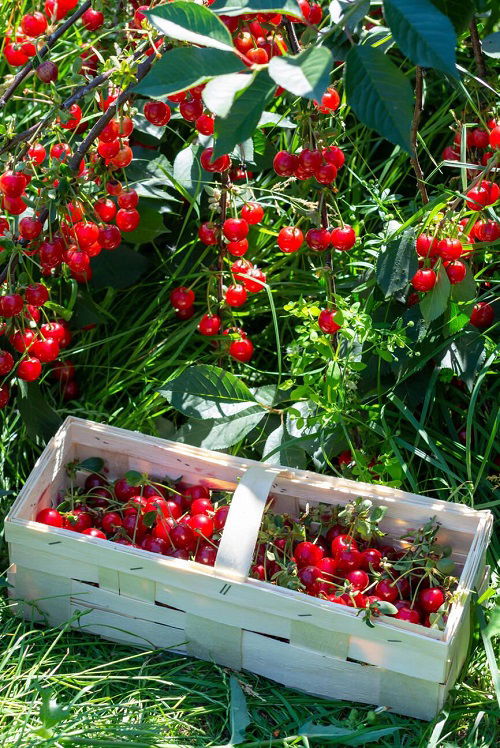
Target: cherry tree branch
{"points": [[292, 37], [51, 40], [417, 113], [476, 48]]}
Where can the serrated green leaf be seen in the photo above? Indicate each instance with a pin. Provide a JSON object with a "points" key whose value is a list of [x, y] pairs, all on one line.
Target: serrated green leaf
{"points": [[306, 74], [282, 449], [459, 13], [40, 419], [379, 94], [491, 44], [243, 117], [467, 289], [397, 263], [91, 465], [133, 478], [219, 93], [119, 268], [445, 566], [220, 433], [348, 13], [423, 33], [435, 302], [206, 391], [188, 172], [242, 7], [181, 68], [189, 22]]}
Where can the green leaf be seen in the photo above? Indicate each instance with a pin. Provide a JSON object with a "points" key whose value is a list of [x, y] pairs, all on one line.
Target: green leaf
{"points": [[242, 7], [51, 712], [273, 119], [239, 716], [91, 465], [219, 93], [188, 172], [493, 627], [379, 94], [221, 433], [117, 268], [87, 311], [435, 302], [491, 44], [397, 263], [189, 22], [207, 391], [148, 173], [346, 736], [244, 115], [445, 566], [386, 608], [150, 227], [184, 67], [459, 13], [464, 356], [348, 14], [467, 289], [306, 74], [133, 478], [282, 449], [4, 584], [40, 419], [423, 33]]}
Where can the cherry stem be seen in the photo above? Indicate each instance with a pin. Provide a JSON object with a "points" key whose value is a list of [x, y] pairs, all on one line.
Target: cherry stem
{"points": [[51, 40], [417, 113]]}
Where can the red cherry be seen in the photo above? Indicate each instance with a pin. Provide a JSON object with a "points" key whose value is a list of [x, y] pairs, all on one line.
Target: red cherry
{"points": [[183, 537], [74, 119], [252, 213], [387, 590], [237, 248], [47, 72], [37, 153], [424, 279], [370, 559], [6, 362], [236, 295], [358, 579], [330, 101], [456, 271], [310, 160], [34, 24], [334, 155], [45, 350], [191, 110], [258, 56], [205, 124], [430, 599], [4, 396], [123, 158], [201, 524], [15, 55], [486, 231], [207, 234], [94, 532], [407, 613], [220, 518], [105, 209], [206, 555], [128, 199], [290, 239], [157, 112], [343, 237], [201, 506], [110, 237], [426, 246], [87, 233], [36, 294], [235, 229], [21, 341], [182, 298], [123, 490], [318, 239], [477, 198], [495, 137], [209, 324], [29, 369], [11, 305], [343, 542], [325, 174], [480, 138], [326, 321], [482, 315], [110, 522], [308, 575], [307, 554], [63, 371], [241, 350], [108, 150], [450, 249], [348, 560], [127, 220], [254, 280], [92, 19], [12, 184], [50, 516], [113, 187], [240, 268], [285, 163], [220, 164]]}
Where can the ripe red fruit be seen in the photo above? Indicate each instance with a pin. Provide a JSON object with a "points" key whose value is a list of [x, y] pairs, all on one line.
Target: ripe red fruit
{"points": [[258, 55], [34, 24], [182, 536], [63, 371], [87, 233], [358, 578], [220, 164], [309, 575], [456, 271], [430, 599], [50, 516], [348, 560], [209, 324], [239, 269], [343, 237], [123, 489], [108, 150], [241, 350], [370, 559], [480, 138], [285, 163], [201, 506], [157, 112], [486, 231], [387, 590], [495, 137], [30, 228], [128, 199], [207, 234], [310, 160], [4, 396], [342, 542], [205, 124], [12, 183], [236, 295], [235, 229], [37, 153], [426, 246], [191, 110], [315, 14], [254, 280], [330, 101], [109, 237], [15, 55], [182, 298], [325, 174], [450, 249], [74, 119], [307, 554], [290, 239], [110, 522], [47, 72], [201, 524], [123, 158], [113, 187], [424, 279], [334, 155], [326, 321], [6, 362], [105, 209], [127, 220], [407, 613], [45, 350], [220, 518], [206, 555], [92, 19], [29, 369], [477, 198], [237, 248], [21, 341], [252, 213], [482, 315], [318, 239], [11, 305]]}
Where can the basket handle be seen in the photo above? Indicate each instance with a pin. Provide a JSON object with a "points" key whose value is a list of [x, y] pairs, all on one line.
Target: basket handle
{"points": [[243, 522]]}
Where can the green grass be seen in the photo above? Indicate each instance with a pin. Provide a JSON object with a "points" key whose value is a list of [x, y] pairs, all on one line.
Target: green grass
{"points": [[414, 415]]}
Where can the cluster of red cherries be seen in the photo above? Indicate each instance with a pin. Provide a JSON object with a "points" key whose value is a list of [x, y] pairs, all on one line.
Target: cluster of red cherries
{"points": [[179, 520], [450, 250]]}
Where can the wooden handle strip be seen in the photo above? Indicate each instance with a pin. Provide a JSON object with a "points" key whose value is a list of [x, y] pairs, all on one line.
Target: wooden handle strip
{"points": [[241, 530]]}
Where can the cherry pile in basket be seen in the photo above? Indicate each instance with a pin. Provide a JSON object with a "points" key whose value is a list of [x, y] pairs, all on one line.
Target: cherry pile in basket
{"points": [[335, 553]]}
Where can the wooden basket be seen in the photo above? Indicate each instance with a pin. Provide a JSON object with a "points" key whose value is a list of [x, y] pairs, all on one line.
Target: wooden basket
{"points": [[218, 614]]}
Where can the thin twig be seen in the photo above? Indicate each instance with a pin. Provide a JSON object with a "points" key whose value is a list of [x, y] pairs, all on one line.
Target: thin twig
{"points": [[417, 112], [292, 37], [51, 40], [476, 48], [222, 246]]}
